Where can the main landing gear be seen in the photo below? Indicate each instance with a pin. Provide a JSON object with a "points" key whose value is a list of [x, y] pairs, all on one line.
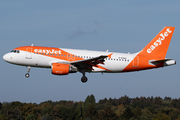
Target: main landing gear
{"points": [[84, 78], [28, 70]]}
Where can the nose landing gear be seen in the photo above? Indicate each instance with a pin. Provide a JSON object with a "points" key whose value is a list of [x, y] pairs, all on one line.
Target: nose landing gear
{"points": [[28, 70]]}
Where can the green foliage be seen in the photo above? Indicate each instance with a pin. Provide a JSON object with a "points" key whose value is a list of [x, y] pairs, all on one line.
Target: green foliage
{"points": [[90, 112], [146, 115], [161, 116], [90, 99], [127, 114], [46, 117], [137, 112], [31, 117], [107, 114], [124, 108], [79, 112]]}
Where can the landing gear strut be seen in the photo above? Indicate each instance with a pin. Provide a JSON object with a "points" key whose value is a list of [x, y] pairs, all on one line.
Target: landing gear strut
{"points": [[84, 78], [28, 70]]}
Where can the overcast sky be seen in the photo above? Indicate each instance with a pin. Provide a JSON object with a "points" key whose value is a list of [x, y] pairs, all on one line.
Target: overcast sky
{"points": [[118, 25]]}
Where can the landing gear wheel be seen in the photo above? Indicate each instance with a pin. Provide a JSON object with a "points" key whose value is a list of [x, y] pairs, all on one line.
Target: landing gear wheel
{"points": [[28, 70], [27, 75], [84, 79]]}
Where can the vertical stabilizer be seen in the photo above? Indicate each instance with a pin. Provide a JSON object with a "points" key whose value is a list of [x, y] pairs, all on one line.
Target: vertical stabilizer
{"points": [[159, 45]]}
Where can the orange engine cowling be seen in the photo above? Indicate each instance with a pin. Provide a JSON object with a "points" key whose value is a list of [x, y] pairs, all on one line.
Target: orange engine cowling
{"points": [[62, 69]]}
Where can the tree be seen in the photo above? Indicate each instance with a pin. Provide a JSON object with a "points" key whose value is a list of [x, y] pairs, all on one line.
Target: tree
{"points": [[79, 112], [124, 100], [127, 114], [137, 112], [107, 114], [17, 114], [157, 102], [90, 99], [55, 113], [161, 116], [90, 112], [31, 117], [146, 115], [46, 117]]}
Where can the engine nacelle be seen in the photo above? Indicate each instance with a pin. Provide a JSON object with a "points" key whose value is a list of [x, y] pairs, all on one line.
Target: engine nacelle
{"points": [[62, 69]]}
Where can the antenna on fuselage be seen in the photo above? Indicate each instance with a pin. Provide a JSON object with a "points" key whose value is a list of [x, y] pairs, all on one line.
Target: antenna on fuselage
{"points": [[32, 45]]}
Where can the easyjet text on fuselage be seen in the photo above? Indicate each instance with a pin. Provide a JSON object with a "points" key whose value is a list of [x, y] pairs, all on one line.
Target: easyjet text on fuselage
{"points": [[52, 51]]}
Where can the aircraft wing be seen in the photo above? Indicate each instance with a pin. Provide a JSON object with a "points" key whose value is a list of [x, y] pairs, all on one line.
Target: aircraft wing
{"points": [[87, 64]]}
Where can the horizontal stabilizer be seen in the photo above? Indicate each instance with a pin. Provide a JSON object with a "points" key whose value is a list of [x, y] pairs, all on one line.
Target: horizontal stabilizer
{"points": [[167, 62]]}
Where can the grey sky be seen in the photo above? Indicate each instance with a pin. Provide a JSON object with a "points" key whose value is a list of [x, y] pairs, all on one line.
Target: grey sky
{"points": [[120, 26]]}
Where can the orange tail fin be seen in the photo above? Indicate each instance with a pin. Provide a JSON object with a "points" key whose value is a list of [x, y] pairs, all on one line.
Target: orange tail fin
{"points": [[159, 45]]}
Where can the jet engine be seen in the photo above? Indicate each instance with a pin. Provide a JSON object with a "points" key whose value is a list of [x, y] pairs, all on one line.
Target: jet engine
{"points": [[62, 69]]}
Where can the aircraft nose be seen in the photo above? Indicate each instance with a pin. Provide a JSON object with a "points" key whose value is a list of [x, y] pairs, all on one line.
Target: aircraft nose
{"points": [[6, 57]]}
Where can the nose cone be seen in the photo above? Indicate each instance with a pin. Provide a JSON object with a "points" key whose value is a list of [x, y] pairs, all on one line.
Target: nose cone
{"points": [[5, 57]]}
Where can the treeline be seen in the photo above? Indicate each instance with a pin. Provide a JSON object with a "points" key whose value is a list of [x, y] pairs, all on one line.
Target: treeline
{"points": [[124, 108]]}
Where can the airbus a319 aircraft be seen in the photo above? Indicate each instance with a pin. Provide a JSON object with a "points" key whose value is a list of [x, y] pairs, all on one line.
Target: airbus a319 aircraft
{"points": [[64, 61]]}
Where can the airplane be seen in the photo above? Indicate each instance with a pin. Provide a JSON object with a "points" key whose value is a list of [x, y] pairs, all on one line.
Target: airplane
{"points": [[63, 61]]}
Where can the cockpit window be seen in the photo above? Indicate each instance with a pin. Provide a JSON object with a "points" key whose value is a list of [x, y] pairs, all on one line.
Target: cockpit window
{"points": [[15, 51]]}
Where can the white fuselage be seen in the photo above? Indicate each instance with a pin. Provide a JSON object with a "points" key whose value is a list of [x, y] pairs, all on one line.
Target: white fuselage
{"points": [[116, 63]]}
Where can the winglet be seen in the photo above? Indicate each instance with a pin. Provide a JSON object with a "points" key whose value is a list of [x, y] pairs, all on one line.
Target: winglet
{"points": [[110, 55]]}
